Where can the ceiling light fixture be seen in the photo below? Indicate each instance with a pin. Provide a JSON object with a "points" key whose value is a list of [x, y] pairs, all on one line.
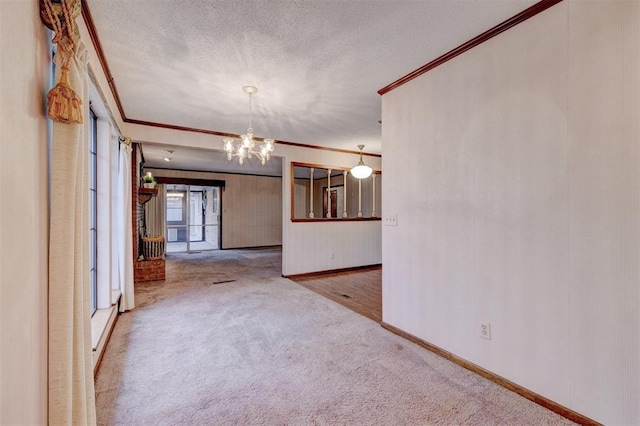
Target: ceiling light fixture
{"points": [[246, 147], [169, 155], [361, 170]]}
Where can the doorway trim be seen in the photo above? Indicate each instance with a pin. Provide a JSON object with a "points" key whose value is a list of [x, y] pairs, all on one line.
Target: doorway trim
{"points": [[192, 182]]}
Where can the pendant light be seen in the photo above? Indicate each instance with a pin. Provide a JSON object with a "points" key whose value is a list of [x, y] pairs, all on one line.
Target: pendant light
{"points": [[361, 170]]}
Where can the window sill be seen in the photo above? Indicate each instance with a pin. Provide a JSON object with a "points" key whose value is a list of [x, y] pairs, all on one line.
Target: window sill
{"points": [[115, 297], [337, 219], [102, 323]]}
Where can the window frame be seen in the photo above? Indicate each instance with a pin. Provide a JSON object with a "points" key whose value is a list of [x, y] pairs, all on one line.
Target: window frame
{"points": [[292, 178], [93, 209]]}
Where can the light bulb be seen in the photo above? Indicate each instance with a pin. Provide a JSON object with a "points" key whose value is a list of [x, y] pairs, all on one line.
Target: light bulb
{"points": [[247, 140]]}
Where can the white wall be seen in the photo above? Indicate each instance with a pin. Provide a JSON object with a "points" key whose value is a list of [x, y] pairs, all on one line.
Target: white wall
{"points": [[522, 210], [24, 77], [322, 246], [306, 247], [24, 81]]}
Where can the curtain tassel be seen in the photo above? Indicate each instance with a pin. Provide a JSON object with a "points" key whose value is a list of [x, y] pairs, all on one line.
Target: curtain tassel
{"points": [[64, 103]]}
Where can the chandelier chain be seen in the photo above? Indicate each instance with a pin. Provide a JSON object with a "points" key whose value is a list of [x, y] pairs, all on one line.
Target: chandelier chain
{"points": [[250, 128]]}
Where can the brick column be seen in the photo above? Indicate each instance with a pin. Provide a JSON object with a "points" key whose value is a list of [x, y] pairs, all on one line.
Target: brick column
{"points": [[143, 270]]}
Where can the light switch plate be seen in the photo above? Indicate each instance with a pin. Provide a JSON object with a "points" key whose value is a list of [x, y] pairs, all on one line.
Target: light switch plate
{"points": [[485, 330], [391, 220]]}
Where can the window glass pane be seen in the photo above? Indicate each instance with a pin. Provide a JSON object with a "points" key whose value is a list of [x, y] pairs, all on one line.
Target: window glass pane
{"points": [[93, 212], [215, 199], [92, 215], [174, 215], [92, 243], [196, 208], [175, 207], [93, 178]]}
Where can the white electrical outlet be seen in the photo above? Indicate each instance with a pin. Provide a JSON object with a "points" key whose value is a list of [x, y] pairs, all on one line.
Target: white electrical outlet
{"points": [[391, 220], [485, 330], [333, 256]]}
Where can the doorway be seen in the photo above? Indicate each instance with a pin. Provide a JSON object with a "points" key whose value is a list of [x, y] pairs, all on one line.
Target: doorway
{"points": [[193, 218], [333, 201]]}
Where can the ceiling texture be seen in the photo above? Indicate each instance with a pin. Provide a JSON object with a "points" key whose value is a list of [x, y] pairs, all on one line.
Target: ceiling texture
{"points": [[318, 64]]}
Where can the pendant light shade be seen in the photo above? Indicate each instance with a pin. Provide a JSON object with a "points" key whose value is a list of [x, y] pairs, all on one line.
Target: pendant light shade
{"points": [[361, 170]]}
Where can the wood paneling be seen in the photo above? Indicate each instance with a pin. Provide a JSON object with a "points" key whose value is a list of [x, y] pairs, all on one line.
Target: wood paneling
{"points": [[359, 290], [251, 206]]}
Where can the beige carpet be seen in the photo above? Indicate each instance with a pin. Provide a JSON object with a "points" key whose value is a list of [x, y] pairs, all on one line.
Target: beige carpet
{"points": [[263, 350]]}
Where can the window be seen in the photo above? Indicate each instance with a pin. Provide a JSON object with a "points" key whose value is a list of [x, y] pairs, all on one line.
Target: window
{"points": [[93, 211], [176, 208], [322, 193]]}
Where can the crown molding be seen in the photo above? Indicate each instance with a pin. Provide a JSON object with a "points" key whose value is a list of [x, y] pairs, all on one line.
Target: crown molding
{"points": [[93, 33], [232, 135], [530, 12]]}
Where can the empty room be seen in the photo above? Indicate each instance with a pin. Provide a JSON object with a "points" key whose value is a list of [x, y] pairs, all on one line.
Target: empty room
{"points": [[322, 212]]}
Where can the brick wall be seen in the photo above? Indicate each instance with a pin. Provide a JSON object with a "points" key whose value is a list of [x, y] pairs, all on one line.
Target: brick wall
{"points": [[149, 270], [143, 270]]}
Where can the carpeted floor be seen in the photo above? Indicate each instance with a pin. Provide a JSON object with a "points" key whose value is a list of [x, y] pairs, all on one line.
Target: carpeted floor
{"points": [[262, 350]]}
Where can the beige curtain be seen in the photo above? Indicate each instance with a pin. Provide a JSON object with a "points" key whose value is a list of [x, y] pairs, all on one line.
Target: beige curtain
{"points": [[71, 387], [125, 230], [155, 213]]}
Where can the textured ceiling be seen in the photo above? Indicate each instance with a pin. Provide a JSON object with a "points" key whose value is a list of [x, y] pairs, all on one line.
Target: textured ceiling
{"points": [[198, 159], [318, 64]]}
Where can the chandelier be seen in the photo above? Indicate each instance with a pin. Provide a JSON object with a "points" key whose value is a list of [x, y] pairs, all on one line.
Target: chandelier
{"points": [[246, 147]]}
